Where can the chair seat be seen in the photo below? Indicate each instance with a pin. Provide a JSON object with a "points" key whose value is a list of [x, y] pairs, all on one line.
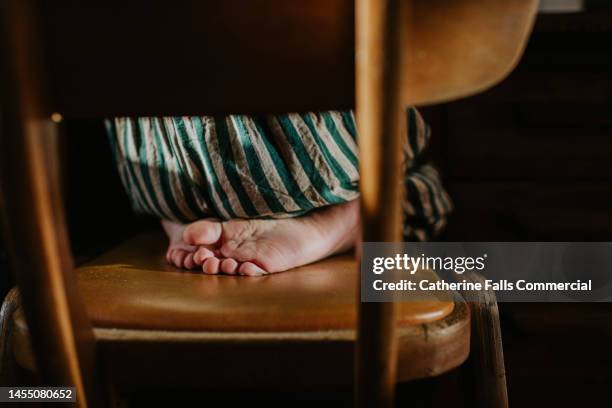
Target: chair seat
{"points": [[132, 286], [155, 324]]}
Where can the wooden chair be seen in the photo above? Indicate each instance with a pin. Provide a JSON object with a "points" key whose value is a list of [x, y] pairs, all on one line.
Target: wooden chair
{"points": [[95, 325]]}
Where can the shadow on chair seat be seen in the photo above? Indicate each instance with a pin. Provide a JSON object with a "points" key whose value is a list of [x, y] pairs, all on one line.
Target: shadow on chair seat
{"points": [[162, 325]]}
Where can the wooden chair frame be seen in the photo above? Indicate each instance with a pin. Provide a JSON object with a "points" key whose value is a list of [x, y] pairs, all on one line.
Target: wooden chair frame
{"points": [[61, 332]]}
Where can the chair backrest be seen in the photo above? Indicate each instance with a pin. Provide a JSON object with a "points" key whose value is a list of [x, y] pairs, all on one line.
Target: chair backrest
{"points": [[118, 58], [123, 58]]}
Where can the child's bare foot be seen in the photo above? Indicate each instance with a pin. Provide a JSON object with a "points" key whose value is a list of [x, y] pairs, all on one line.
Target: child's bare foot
{"points": [[179, 253], [257, 247]]}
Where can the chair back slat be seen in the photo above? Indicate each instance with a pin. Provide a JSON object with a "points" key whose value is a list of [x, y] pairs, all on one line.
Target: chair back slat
{"points": [[33, 215], [378, 84]]}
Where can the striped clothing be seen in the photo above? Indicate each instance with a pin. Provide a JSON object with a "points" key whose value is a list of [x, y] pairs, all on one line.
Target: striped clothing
{"points": [[237, 166]]}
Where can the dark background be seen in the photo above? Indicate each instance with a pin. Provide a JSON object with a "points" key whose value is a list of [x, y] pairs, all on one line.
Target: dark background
{"points": [[529, 160]]}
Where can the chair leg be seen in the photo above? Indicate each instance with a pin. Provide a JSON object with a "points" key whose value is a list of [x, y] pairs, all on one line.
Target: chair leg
{"points": [[486, 361], [7, 362]]}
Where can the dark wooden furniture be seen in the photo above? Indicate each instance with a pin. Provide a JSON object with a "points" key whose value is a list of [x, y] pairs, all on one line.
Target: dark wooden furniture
{"points": [[70, 59]]}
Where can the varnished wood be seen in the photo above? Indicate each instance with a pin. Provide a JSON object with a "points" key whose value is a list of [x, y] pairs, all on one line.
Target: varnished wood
{"points": [[234, 360], [133, 287], [459, 48], [33, 214], [141, 305], [378, 81], [10, 304], [413, 53], [278, 56], [119, 58], [486, 363]]}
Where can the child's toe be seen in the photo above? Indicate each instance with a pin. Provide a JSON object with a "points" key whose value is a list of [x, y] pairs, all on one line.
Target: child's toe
{"points": [[188, 263], [211, 266], [178, 257], [250, 269], [229, 266], [169, 254], [202, 254]]}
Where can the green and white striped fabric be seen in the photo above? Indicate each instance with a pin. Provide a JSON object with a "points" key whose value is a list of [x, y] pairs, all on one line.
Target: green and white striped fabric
{"points": [[237, 166]]}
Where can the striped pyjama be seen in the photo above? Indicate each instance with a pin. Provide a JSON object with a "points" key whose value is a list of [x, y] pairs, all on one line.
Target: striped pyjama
{"points": [[239, 166]]}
